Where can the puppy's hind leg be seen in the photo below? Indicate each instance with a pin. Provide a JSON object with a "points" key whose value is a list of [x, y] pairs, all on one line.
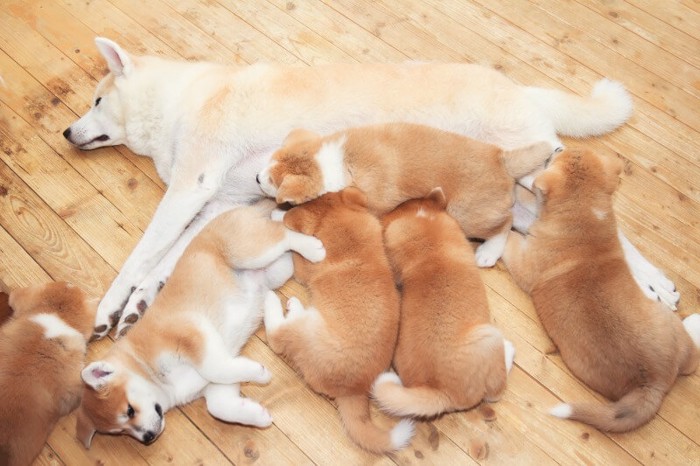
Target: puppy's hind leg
{"points": [[225, 403], [516, 260]]}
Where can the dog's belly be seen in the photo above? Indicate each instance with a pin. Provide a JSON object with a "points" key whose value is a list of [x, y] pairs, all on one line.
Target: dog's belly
{"points": [[183, 383], [242, 314]]}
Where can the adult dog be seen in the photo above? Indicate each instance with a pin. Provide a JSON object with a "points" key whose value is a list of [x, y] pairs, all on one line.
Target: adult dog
{"points": [[210, 128]]}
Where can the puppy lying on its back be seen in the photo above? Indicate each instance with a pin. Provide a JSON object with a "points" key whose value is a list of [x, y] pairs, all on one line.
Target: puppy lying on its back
{"points": [[346, 337], [448, 355], [42, 348], [186, 345], [395, 162], [618, 342]]}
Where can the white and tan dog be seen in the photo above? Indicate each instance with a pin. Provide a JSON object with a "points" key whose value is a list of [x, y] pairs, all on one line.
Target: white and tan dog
{"points": [[346, 336], [186, 345], [448, 357], [42, 349], [395, 162], [615, 340], [211, 128]]}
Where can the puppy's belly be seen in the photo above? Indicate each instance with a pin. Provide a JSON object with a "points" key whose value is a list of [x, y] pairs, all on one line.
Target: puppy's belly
{"points": [[183, 382]]}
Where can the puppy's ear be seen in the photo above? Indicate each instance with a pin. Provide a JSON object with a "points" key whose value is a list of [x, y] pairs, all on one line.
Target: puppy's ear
{"points": [[294, 189], [353, 196], [118, 61], [97, 374], [85, 428], [298, 135], [437, 195]]}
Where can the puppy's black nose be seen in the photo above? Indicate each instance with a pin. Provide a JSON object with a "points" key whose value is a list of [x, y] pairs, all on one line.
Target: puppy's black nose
{"points": [[66, 133], [148, 437], [257, 177], [159, 410]]}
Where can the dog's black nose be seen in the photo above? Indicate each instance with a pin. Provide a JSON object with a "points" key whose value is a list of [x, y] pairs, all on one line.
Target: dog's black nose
{"points": [[148, 437], [159, 410], [257, 177], [66, 133]]}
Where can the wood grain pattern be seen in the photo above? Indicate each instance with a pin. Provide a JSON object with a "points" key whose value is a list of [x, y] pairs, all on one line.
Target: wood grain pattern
{"points": [[66, 214]]}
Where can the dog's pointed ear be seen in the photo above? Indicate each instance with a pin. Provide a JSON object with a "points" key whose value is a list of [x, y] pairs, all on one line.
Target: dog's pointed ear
{"points": [[84, 428], [118, 61], [298, 135], [293, 189], [97, 374], [353, 196], [437, 195]]}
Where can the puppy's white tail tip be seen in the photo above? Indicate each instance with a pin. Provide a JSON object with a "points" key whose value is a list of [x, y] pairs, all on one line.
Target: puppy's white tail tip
{"points": [[562, 411], [402, 433], [692, 326]]}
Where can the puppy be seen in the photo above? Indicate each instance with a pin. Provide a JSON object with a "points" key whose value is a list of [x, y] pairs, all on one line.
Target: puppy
{"points": [[186, 345], [395, 162], [346, 337], [618, 342], [42, 348], [5, 309], [448, 355]]}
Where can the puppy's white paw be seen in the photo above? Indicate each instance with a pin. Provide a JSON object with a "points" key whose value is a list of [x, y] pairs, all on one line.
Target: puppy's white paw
{"points": [[277, 215], [487, 254], [294, 308], [692, 326], [312, 249], [510, 354], [258, 415], [108, 313], [264, 377], [273, 315]]}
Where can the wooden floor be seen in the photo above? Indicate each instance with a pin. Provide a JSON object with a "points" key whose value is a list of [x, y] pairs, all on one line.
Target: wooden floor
{"points": [[68, 215]]}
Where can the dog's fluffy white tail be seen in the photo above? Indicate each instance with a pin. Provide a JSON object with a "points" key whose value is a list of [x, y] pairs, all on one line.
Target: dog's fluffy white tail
{"points": [[608, 107]]}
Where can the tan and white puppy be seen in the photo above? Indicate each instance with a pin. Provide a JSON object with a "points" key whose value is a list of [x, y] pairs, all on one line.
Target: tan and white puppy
{"points": [[395, 162], [42, 350], [346, 336], [614, 339], [448, 356], [187, 344]]}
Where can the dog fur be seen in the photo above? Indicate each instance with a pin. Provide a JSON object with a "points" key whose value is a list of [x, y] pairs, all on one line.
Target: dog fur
{"points": [[187, 344], [42, 349], [619, 343], [210, 128], [395, 162], [346, 336], [448, 356]]}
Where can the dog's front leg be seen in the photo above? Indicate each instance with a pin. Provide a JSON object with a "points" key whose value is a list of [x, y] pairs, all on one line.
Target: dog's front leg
{"points": [[144, 294], [188, 192], [650, 279], [224, 402]]}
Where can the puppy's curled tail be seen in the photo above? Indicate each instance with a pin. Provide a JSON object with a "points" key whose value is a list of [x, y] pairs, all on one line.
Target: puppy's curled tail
{"points": [[634, 409], [354, 411], [393, 398]]}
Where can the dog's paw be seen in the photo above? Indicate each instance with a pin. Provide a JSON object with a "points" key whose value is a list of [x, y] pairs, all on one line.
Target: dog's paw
{"points": [[107, 316], [656, 286], [256, 414], [509, 353], [692, 326], [294, 308], [313, 250], [487, 254], [263, 377]]}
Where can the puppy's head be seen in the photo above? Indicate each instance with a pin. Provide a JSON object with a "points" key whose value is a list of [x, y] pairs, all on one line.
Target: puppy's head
{"points": [[304, 168], [326, 211], [104, 124], [118, 401], [64, 300], [575, 175]]}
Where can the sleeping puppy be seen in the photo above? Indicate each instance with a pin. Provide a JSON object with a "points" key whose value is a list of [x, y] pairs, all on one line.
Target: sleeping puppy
{"points": [[186, 346], [449, 356], [42, 348], [395, 162], [624, 346], [346, 337]]}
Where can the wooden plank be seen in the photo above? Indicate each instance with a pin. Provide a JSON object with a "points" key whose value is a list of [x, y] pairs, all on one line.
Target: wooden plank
{"points": [[47, 457], [680, 15]]}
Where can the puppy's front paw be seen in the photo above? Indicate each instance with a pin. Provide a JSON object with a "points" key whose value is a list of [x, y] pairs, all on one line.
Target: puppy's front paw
{"points": [[487, 255], [264, 377], [314, 251], [259, 416], [106, 317], [277, 215]]}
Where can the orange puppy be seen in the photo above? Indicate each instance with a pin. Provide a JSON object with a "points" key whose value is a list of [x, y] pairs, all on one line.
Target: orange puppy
{"points": [[448, 355], [620, 343], [347, 335], [395, 162], [42, 347]]}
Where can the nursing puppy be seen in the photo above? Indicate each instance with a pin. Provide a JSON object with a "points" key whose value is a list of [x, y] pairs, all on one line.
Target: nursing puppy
{"points": [[346, 337], [395, 162], [187, 344], [449, 357], [42, 348], [618, 342]]}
